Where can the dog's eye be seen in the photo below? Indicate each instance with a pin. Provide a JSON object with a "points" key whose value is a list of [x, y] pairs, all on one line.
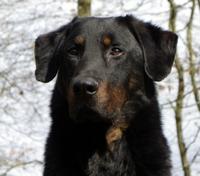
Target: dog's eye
{"points": [[115, 51], [73, 51]]}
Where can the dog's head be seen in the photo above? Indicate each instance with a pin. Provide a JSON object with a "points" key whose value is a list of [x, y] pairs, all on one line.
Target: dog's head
{"points": [[103, 63]]}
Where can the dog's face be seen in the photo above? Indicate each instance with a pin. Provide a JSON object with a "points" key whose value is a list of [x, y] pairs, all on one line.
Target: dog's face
{"points": [[103, 63]]}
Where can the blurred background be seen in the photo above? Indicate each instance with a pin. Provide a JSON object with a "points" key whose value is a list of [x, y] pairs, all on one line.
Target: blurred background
{"points": [[24, 111]]}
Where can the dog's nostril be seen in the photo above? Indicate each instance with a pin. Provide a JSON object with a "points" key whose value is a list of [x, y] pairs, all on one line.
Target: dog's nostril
{"points": [[86, 86], [90, 87]]}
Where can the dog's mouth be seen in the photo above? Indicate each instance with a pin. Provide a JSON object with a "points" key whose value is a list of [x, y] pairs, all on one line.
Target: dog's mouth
{"points": [[105, 105], [84, 113]]}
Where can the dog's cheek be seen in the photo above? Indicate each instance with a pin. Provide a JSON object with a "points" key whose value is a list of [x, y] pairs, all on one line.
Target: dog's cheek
{"points": [[111, 98], [117, 99], [137, 97]]}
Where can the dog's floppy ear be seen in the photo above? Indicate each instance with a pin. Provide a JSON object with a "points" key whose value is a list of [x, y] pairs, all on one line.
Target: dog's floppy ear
{"points": [[46, 54], [159, 47]]}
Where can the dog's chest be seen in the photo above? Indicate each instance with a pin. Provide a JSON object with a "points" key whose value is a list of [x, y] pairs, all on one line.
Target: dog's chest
{"points": [[117, 162]]}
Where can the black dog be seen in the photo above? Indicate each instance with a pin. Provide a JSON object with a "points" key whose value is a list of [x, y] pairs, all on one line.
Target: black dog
{"points": [[104, 109]]}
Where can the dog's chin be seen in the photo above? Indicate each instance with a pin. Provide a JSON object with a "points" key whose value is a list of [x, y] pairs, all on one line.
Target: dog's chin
{"points": [[84, 114]]}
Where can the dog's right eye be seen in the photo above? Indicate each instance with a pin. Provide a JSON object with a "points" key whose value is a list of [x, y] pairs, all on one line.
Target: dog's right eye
{"points": [[73, 51], [116, 51]]}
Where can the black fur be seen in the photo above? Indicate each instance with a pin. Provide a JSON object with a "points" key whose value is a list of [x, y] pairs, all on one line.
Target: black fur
{"points": [[105, 83]]}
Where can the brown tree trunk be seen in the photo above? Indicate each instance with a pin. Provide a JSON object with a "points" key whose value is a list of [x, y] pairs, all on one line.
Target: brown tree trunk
{"points": [[84, 7], [192, 68], [180, 97]]}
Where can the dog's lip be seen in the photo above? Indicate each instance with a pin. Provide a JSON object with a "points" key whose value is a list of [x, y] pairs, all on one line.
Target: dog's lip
{"points": [[89, 110], [85, 113], [86, 109]]}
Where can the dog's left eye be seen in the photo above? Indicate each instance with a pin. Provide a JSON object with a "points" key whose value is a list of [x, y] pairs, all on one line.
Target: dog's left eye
{"points": [[115, 51], [73, 51]]}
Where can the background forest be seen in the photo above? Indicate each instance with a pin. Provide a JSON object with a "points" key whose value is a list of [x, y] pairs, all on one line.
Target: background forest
{"points": [[24, 113]]}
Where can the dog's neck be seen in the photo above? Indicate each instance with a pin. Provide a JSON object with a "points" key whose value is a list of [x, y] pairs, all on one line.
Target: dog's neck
{"points": [[116, 160]]}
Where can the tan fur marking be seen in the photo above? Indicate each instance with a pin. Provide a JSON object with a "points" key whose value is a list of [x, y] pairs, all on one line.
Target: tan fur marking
{"points": [[79, 40], [102, 93], [121, 123], [111, 98], [113, 135], [117, 98], [107, 40]]}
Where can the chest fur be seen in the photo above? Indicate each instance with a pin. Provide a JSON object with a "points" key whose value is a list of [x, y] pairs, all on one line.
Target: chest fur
{"points": [[115, 162]]}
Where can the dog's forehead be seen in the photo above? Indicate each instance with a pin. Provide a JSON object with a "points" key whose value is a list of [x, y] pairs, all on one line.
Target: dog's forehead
{"points": [[95, 27]]}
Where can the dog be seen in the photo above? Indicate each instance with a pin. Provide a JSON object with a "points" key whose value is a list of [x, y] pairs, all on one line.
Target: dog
{"points": [[104, 110]]}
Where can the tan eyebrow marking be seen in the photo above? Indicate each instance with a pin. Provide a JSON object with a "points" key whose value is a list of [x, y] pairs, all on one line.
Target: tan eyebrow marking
{"points": [[79, 40], [107, 40]]}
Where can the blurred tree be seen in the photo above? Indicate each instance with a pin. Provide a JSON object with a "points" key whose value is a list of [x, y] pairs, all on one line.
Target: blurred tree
{"points": [[191, 57], [84, 7], [180, 96]]}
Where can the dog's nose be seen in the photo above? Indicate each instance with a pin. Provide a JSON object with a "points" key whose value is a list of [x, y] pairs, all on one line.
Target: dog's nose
{"points": [[87, 86]]}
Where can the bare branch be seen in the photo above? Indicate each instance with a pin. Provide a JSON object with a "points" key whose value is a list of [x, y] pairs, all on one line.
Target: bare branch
{"points": [[20, 164], [192, 69], [180, 97], [194, 139]]}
